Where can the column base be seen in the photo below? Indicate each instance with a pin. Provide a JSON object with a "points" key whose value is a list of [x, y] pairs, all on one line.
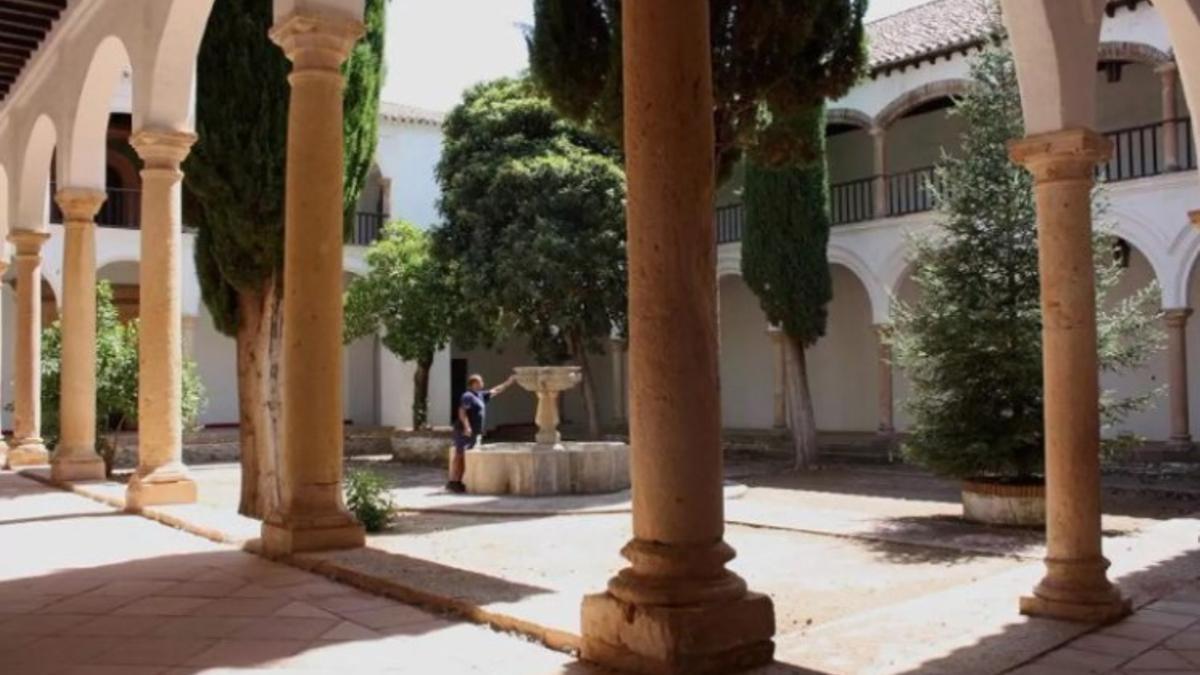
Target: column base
{"points": [[142, 492], [1079, 612], [1077, 590], [281, 538], [78, 466], [693, 639], [28, 453]]}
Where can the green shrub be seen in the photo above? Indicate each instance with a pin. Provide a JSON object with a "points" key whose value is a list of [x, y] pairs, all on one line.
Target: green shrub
{"points": [[367, 496], [116, 379]]}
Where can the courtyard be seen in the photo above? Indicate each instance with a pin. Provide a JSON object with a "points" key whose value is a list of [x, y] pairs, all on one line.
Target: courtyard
{"points": [[868, 566]]}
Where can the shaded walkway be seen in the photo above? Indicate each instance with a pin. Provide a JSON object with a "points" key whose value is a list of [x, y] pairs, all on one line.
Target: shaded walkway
{"points": [[84, 589]]}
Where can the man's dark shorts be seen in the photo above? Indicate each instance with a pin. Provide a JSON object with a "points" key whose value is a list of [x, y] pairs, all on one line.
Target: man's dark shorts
{"points": [[463, 443]]}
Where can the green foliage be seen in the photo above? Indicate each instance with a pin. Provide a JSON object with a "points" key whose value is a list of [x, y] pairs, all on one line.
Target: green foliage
{"points": [[971, 344], [407, 299], [236, 171], [367, 496], [534, 224], [783, 56], [787, 231], [116, 378]]}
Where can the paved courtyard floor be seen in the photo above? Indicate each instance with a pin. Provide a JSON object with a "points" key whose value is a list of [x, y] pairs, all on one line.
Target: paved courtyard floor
{"points": [[870, 569], [85, 589]]}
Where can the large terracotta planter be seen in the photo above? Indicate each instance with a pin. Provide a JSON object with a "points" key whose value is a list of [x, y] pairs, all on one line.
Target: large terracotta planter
{"points": [[996, 503]]}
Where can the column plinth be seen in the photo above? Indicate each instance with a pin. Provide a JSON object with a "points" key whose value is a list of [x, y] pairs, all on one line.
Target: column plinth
{"points": [[1075, 587], [1177, 379], [311, 513], [161, 477], [75, 458], [675, 608], [27, 447]]}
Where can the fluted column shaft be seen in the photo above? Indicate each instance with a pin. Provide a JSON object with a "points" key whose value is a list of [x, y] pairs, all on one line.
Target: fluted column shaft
{"points": [[311, 513], [161, 477], [75, 457], [28, 448], [1075, 586]]}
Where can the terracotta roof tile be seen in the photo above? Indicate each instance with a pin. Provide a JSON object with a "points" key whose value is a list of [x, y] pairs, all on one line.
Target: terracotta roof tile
{"points": [[932, 27], [397, 112]]}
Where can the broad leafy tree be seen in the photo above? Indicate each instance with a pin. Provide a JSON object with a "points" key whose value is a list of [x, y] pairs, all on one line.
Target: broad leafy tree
{"points": [[774, 64], [407, 298], [235, 176], [972, 342], [534, 223]]}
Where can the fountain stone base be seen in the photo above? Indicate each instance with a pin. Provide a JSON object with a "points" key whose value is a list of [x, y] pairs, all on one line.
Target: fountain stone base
{"points": [[529, 470]]}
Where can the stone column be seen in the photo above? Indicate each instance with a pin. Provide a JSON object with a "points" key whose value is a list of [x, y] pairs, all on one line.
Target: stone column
{"points": [[879, 139], [27, 448], [161, 477], [311, 513], [1169, 76], [1075, 586], [617, 353], [1177, 374], [675, 608], [778, 377], [3, 443], [75, 458], [887, 422]]}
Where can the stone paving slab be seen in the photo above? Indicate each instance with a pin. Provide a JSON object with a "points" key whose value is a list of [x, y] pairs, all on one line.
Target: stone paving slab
{"points": [[85, 589]]}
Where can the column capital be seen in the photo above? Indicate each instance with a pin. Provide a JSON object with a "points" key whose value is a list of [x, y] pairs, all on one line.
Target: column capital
{"points": [[79, 205], [1194, 218], [877, 131], [28, 242], [314, 41], [162, 148], [1176, 317], [1069, 154]]}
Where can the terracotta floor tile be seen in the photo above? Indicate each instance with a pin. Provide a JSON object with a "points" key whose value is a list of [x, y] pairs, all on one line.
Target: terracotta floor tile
{"points": [[117, 626], [199, 626], [203, 589], [348, 630], [235, 653], [304, 610], [1159, 659], [243, 606], [87, 604], [164, 606], [353, 602], [41, 624], [155, 651], [1156, 618], [388, 617], [286, 628], [133, 587]]}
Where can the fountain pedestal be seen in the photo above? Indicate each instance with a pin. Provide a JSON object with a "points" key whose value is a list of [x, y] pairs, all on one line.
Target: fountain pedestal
{"points": [[547, 466]]}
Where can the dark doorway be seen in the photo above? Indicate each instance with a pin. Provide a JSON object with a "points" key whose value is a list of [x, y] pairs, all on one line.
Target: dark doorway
{"points": [[458, 384]]}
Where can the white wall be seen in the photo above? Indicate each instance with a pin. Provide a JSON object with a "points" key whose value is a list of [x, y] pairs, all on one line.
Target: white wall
{"points": [[408, 154], [1155, 421], [216, 363], [843, 365], [747, 359]]}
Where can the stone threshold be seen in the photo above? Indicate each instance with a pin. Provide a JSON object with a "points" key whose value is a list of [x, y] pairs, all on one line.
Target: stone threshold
{"points": [[552, 627]]}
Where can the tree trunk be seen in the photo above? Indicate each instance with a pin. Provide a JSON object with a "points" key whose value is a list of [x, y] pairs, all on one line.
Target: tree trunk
{"points": [[801, 419], [589, 389], [259, 343], [420, 404]]}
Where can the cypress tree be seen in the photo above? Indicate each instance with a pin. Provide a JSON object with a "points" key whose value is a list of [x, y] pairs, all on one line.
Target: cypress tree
{"points": [[235, 183], [785, 264]]}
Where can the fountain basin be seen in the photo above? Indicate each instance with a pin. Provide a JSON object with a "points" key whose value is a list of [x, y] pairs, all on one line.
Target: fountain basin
{"points": [[569, 469]]}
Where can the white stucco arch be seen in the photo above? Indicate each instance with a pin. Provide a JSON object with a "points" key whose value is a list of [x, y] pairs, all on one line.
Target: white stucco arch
{"points": [[1054, 44], [1147, 241], [912, 98], [84, 165], [877, 294], [33, 178], [166, 74]]}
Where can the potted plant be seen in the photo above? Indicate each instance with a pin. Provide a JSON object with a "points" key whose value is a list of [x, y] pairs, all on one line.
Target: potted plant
{"points": [[971, 343]]}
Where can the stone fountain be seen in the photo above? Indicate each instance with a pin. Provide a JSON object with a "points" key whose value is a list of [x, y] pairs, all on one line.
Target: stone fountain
{"points": [[547, 466]]}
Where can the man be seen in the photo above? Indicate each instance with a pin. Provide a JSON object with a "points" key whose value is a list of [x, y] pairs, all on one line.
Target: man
{"points": [[468, 425]]}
